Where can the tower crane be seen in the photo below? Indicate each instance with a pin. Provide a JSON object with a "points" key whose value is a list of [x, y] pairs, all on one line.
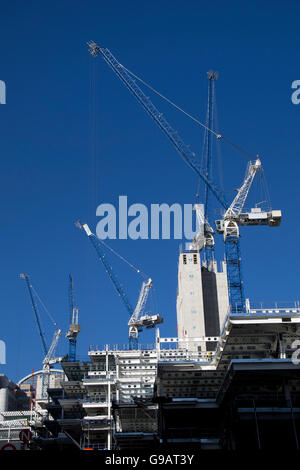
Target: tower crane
{"points": [[232, 245], [138, 318], [49, 359], [234, 215], [204, 237], [229, 226], [74, 327], [208, 231]]}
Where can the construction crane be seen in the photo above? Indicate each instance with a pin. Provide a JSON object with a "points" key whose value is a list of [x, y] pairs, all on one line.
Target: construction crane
{"points": [[234, 217], [204, 237], [208, 231], [74, 327], [232, 245], [48, 363], [138, 318], [229, 226], [49, 359], [188, 156]]}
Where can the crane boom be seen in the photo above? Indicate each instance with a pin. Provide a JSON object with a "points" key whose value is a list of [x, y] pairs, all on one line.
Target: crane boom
{"points": [[52, 348], [137, 320], [35, 310], [232, 251], [187, 154], [144, 292], [93, 239], [209, 233], [231, 238], [238, 203]]}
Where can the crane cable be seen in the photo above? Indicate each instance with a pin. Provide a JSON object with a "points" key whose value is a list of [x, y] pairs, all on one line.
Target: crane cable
{"points": [[43, 305], [141, 273], [216, 134]]}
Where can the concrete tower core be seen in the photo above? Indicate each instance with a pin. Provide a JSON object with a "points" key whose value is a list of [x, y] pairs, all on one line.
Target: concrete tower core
{"points": [[202, 300]]}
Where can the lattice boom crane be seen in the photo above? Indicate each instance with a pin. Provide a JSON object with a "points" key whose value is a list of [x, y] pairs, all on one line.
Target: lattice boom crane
{"points": [[232, 246], [138, 319]]}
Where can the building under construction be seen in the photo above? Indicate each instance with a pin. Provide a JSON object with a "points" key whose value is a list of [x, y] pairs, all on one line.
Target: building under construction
{"points": [[244, 393], [229, 380]]}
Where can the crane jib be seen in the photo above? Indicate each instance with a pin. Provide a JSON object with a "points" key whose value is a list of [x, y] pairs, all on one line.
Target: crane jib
{"points": [[158, 117], [110, 273]]}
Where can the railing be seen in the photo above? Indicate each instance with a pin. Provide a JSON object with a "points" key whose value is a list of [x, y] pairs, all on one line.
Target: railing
{"points": [[11, 432], [120, 347], [268, 308], [289, 305], [98, 378], [94, 447], [101, 421], [102, 401], [13, 424]]}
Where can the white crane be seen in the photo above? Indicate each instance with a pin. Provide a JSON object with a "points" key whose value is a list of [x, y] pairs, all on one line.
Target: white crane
{"points": [[205, 233], [49, 359], [139, 319], [234, 216]]}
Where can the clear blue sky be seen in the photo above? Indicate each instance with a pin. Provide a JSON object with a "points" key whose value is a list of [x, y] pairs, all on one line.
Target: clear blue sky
{"points": [[55, 168]]}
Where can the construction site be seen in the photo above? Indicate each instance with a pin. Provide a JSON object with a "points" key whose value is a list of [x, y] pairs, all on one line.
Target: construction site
{"points": [[229, 379]]}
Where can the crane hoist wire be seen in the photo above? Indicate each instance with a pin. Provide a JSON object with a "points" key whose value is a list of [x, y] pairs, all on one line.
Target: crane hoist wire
{"points": [[141, 273], [43, 305], [216, 134], [262, 192]]}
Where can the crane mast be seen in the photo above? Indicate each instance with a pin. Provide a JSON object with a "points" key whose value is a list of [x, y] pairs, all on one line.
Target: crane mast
{"points": [[208, 231], [74, 327], [229, 226]]}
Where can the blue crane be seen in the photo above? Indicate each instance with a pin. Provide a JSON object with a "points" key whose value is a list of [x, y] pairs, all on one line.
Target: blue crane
{"points": [[138, 318], [233, 216], [35, 311], [232, 246], [209, 234], [74, 327], [48, 360]]}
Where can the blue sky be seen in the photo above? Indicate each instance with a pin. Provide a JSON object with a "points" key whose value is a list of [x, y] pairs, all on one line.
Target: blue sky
{"points": [[73, 137]]}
